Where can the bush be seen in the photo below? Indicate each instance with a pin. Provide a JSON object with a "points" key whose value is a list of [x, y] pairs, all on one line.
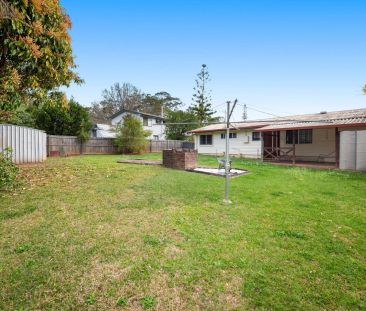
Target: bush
{"points": [[8, 170], [131, 136]]}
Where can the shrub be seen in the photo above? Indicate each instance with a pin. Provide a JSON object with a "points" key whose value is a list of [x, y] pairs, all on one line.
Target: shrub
{"points": [[8, 170], [131, 136]]}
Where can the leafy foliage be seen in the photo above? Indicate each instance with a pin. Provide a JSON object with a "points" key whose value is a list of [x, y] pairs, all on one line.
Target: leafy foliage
{"points": [[160, 102], [129, 97], [56, 116], [131, 136], [364, 89], [178, 131], [35, 52], [8, 170], [201, 105], [117, 97]]}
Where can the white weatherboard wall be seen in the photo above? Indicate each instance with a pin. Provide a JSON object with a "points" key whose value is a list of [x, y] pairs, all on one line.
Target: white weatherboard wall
{"points": [[321, 149], [157, 129], [242, 145], [28, 145], [352, 154]]}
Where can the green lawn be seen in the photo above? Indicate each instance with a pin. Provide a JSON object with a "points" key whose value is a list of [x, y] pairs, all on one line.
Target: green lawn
{"points": [[88, 233]]}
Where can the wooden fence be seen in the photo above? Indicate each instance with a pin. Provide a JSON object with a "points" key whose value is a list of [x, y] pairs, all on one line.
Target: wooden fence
{"points": [[70, 145]]}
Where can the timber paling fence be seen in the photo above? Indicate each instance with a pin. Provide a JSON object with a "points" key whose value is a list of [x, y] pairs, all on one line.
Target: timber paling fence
{"points": [[27, 145], [71, 145]]}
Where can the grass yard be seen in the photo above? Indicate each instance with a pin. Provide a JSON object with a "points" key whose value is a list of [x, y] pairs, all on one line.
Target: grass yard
{"points": [[88, 233]]}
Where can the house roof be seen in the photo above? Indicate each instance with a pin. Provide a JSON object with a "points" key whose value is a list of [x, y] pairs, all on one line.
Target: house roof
{"points": [[135, 112], [233, 125], [344, 118]]}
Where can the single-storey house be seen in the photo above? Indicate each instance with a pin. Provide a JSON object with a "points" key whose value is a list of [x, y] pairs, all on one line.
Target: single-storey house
{"points": [[320, 137], [153, 123]]}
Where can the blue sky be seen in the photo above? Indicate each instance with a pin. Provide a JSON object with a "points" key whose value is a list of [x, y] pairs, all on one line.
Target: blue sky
{"points": [[279, 56]]}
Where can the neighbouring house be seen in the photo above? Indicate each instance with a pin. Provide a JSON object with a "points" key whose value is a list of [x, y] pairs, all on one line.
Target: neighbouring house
{"points": [[153, 123], [337, 138], [103, 131]]}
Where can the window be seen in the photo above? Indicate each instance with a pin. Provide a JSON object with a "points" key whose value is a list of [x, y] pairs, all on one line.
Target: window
{"points": [[290, 137], [231, 135], [205, 139], [145, 121], [156, 137], [256, 136], [299, 136], [305, 136]]}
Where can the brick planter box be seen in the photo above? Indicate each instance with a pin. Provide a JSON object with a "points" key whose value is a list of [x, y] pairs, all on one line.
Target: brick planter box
{"points": [[182, 159]]}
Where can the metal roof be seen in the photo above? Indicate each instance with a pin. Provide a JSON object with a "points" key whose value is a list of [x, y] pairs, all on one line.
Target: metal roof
{"points": [[233, 125], [354, 122], [344, 118]]}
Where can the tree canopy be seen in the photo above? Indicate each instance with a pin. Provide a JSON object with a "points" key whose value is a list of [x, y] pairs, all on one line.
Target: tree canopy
{"points": [[127, 96], [57, 116], [35, 51], [178, 131]]}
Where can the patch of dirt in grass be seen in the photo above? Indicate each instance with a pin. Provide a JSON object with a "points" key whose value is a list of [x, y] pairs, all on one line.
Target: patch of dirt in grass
{"points": [[172, 251], [99, 278], [167, 294], [231, 298]]}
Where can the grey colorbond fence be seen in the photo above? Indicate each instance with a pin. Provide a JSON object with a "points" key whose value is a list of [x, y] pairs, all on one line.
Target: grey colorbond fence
{"points": [[70, 145], [28, 145]]}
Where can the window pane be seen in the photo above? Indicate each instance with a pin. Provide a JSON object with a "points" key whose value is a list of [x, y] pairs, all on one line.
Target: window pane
{"points": [[306, 136], [289, 137], [209, 139], [205, 139], [223, 135], [256, 136], [202, 139]]}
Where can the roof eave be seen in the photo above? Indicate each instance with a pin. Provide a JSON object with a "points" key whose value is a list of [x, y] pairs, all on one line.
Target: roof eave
{"points": [[312, 127]]}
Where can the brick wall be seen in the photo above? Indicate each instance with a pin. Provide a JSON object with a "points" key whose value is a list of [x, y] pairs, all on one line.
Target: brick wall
{"points": [[182, 159]]}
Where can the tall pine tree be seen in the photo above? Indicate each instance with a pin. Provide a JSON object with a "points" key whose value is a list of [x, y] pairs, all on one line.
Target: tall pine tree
{"points": [[201, 100]]}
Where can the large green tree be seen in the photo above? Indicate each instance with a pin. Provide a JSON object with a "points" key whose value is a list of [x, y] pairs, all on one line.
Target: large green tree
{"points": [[35, 52], [160, 102], [57, 116], [178, 123], [201, 100]]}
